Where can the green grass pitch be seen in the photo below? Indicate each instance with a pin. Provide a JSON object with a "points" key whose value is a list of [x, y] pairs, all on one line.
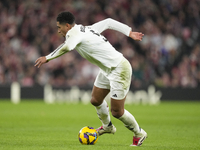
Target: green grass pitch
{"points": [[34, 125]]}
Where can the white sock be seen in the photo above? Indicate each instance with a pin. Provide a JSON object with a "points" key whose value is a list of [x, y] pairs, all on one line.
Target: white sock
{"points": [[129, 121], [103, 113]]}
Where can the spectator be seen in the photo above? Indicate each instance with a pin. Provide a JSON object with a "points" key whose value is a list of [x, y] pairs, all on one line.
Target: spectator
{"points": [[169, 47]]}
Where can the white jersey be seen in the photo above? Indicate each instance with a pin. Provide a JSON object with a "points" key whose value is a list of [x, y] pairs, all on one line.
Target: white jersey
{"points": [[91, 45]]}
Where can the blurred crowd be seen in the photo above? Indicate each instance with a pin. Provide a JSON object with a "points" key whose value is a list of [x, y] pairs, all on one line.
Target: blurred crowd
{"points": [[168, 55]]}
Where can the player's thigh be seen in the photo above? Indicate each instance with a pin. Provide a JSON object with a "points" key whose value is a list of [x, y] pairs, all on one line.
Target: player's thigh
{"points": [[117, 107], [120, 80], [100, 90], [98, 95]]}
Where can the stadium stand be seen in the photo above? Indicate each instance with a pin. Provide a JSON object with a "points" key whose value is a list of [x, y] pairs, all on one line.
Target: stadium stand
{"points": [[168, 56]]}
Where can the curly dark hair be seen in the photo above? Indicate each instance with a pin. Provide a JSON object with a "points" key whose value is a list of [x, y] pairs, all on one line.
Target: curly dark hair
{"points": [[66, 17]]}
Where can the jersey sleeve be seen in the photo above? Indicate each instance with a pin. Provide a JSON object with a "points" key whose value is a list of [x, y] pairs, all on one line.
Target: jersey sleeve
{"points": [[69, 44], [62, 49], [112, 24]]}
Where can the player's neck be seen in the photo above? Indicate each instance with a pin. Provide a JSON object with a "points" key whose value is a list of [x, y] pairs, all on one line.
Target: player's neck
{"points": [[71, 26]]}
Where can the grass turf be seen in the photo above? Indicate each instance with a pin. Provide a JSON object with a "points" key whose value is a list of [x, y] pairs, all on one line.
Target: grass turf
{"points": [[34, 125]]}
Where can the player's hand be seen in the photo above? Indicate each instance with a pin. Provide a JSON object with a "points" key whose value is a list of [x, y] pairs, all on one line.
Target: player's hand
{"points": [[136, 36], [40, 61]]}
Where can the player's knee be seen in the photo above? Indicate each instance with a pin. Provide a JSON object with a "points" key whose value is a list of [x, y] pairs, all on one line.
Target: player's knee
{"points": [[116, 113], [95, 102]]}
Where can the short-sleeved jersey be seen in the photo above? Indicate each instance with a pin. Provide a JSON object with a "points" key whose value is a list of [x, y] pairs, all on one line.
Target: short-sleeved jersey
{"points": [[91, 45]]}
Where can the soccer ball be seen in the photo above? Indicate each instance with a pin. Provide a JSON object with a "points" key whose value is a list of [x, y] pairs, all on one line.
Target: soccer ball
{"points": [[88, 135]]}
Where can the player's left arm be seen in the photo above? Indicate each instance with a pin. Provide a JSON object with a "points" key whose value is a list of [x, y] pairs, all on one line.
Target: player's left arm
{"points": [[136, 35], [117, 26]]}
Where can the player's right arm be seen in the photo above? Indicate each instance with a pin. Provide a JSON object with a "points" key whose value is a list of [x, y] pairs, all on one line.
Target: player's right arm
{"points": [[40, 61], [62, 49], [69, 44]]}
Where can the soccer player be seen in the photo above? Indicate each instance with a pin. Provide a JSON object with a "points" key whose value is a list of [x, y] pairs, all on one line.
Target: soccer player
{"points": [[115, 71]]}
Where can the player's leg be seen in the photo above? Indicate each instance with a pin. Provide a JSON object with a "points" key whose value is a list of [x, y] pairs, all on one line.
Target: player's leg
{"points": [[98, 96], [100, 91], [120, 80], [118, 111]]}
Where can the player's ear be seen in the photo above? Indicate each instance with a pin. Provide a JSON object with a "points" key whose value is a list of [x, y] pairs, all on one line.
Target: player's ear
{"points": [[68, 25]]}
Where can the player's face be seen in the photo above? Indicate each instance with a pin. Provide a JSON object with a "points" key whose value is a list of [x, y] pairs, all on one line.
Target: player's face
{"points": [[62, 28]]}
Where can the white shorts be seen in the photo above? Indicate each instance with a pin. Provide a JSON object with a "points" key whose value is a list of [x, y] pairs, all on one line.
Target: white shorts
{"points": [[118, 80]]}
